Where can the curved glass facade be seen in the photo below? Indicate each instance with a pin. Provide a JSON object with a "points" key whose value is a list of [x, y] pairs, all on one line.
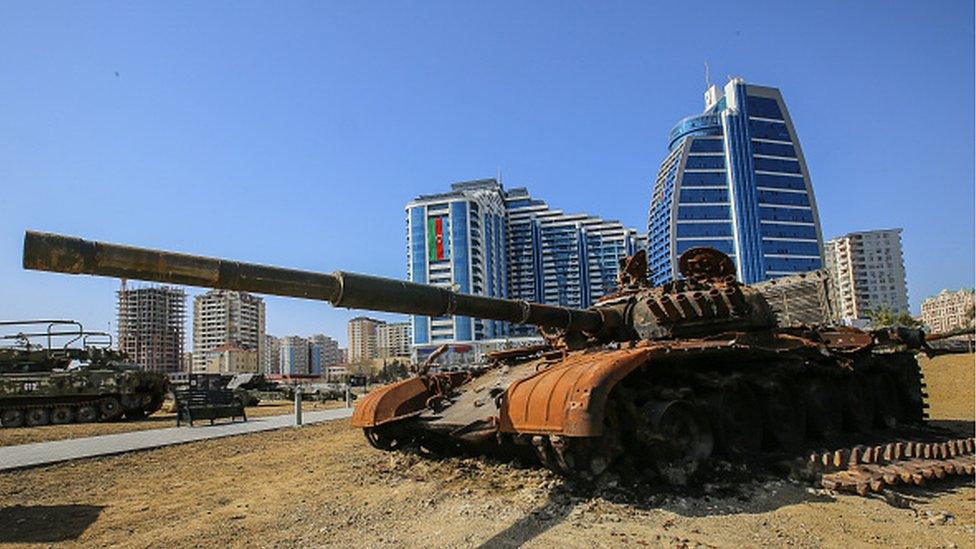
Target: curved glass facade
{"points": [[735, 180]]}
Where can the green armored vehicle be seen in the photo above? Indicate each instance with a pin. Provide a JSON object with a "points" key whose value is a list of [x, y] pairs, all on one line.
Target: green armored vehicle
{"points": [[72, 376]]}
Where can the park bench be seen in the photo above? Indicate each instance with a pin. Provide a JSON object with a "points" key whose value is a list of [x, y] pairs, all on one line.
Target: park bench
{"points": [[197, 404]]}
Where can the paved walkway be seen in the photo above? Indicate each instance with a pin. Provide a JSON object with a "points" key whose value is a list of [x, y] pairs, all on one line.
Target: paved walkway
{"points": [[43, 453]]}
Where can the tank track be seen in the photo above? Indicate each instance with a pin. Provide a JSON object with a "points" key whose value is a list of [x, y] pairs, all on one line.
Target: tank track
{"points": [[88, 410], [864, 469], [665, 423]]}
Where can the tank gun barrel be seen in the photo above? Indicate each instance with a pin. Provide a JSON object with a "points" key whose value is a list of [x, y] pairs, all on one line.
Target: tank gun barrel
{"points": [[72, 255]]}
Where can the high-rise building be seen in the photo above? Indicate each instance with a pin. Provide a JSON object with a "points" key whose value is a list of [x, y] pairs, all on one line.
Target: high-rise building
{"points": [[483, 240], [323, 351], [949, 310], [868, 270], [150, 326], [735, 180], [271, 355], [457, 240], [362, 338], [224, 317], [293, 356], [393, 339]]}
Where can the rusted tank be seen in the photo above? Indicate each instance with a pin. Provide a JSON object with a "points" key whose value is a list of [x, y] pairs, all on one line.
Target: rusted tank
{"points": [[650, 380]]}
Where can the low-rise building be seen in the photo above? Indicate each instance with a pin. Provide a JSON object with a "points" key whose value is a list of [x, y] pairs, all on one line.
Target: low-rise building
{"points": [[949, 310], [229, 359]]}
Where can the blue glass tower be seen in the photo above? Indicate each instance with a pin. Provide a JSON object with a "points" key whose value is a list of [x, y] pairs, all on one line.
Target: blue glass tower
{"points": [[735, 180]]}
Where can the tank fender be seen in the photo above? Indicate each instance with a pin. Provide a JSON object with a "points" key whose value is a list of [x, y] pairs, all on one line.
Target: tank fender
{"points": [[569, 398], [403, 398]]}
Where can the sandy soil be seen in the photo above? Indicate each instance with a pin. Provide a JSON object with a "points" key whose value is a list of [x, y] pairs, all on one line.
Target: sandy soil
{"points": [[159, 420], [321, 485]]}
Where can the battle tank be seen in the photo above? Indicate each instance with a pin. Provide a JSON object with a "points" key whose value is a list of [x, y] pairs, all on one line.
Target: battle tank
{"points": [[82, 380], [650, 380]]}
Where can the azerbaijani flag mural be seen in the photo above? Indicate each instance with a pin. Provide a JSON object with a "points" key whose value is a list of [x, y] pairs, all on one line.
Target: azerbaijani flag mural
{"points": [[436, 244]]}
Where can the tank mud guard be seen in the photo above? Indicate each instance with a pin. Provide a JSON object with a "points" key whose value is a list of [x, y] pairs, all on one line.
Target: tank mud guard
{"points": [[569, 398]]}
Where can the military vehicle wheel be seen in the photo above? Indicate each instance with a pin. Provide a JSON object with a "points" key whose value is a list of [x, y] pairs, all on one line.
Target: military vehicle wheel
{"points": [[87, 414], [825, 407], [61, 415], [736, 421], [37, 416], [12, 418], [110, 408], [684, 440], [381, 437]]}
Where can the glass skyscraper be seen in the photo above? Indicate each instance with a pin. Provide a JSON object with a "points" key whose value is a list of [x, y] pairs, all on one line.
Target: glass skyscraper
{"points": [[735, 180], [482, 239]]}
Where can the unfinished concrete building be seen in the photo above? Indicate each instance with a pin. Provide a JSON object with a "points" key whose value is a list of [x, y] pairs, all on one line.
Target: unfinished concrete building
{"points": [[150, 326]]}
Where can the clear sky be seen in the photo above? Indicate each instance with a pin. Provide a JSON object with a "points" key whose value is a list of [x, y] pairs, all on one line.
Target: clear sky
{"points": [[293, 133]]}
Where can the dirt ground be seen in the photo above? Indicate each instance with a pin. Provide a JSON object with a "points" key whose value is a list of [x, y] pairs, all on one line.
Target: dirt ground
{"points": [[159, 420], [322, 485]]}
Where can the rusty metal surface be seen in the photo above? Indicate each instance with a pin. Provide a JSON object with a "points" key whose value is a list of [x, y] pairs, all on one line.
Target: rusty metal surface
{"points": [[569, 397], [865, 469], [403, 398]]}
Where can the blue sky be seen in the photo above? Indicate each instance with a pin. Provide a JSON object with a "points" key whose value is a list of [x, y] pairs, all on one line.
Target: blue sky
{"points": [[294, 133]]}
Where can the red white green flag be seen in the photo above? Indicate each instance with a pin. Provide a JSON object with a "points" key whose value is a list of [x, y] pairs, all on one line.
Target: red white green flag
{"points": [[435, 239]]}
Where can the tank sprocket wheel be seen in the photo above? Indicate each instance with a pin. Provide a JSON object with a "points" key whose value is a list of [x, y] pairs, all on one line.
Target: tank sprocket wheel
{"points": [[61, 415], [36, 417], [110, 408], [12, 418], [86, 414]]}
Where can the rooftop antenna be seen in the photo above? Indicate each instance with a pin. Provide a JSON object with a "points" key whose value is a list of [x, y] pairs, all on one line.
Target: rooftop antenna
{"points": [[498, 174], [708, 80]]}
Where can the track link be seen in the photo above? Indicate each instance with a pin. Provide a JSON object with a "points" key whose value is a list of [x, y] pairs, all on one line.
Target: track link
{"points": [[865, 469]]}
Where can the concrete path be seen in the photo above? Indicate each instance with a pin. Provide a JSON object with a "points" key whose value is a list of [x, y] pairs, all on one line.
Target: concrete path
{"points": [[44, 453]]}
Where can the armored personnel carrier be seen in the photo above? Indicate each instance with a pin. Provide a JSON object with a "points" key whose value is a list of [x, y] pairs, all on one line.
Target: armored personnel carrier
{"points": [[650, 380], [54, 371]]}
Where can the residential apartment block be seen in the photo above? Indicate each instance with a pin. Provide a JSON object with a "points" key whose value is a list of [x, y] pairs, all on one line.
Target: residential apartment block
{"points": [[323, 352], [362, 334], [224, 317], [868, 270], [393, 340], [293, 352], [150, 326], [949, 310]]}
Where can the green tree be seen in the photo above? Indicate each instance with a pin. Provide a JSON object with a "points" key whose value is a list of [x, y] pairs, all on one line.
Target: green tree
{"points": [[884, 317]]}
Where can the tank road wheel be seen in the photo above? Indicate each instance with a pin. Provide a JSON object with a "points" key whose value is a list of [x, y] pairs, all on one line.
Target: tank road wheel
{"points": [[37, 417], [382, 437], [87, 414], [784, 417], [12, 418], [110, 408], [858, 404], [61, 415], [825, 407], [684, 439], [736, 421]]}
